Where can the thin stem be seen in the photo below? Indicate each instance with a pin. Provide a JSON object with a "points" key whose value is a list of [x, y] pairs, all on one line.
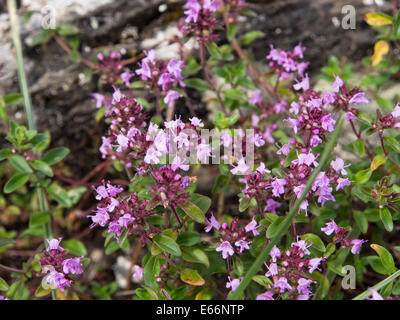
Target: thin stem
{"points": [[20, 63], [11, 270], [286, 223]]}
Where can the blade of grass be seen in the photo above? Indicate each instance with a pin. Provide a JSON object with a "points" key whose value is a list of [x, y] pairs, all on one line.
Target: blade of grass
{"points": [[378, 286], [12, 10], [286, 223]]}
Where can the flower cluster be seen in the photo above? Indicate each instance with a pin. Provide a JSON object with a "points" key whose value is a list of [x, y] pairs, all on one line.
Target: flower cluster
{"points": [[287, 63], [290, 271], [110, 67], [200, 20], [162, 75], [58, 268], [233, 238], [119, 213], [126, 139], [332, 228]]}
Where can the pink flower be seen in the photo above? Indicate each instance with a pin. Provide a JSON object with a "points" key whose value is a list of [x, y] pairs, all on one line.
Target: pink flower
{"points": [[125, 220], [57, 280], [341, 183], [272, 270], [196, 122], [314, 263], [243, 245], [137, 274], [375, 295], [356, 245], [178, 163], [272, 205], [358, 99], [212, 223], [338, 166], [54, 244], [304, 84], [278, 186], [268, 295], [302, 245], [330, 228], [126, 76], [255, 98], [241, 168], [170, 97], [303, 286], [328, 123], [73, 266], [226, 249], [282, 284], [252, 227], [233, 284], [337, 84], [396, 111]]}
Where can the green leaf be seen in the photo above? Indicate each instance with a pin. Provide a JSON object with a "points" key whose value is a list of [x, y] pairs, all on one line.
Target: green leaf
{"points": [[38, 219], [42, 167], [214, 51], [363, 176], [43, 37], [377, 161], [42, 292], [75, 247], [274, 227], [5, 153], [359, 147], [314, 240], [361, 221], [231, 31], [386, 218], [198, 84], [203, 202], [16, 181], [19, 164], [244, 204], [195, 255], [250, 36], [67, 30], [393, 144], [167, 244], [193, 211], [13, 99], [192, 277], [3, 285], [151, 270], [55, 155], [386, 258], [188, 238]]}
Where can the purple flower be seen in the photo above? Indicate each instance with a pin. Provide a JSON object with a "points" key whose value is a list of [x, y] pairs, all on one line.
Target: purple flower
{"points": [[241, 168], [356, 245], [243, 245], [3, 298], [137, 275], [337, 84], [178, 163], [255, 98], [170, 97], [328, 123], [99, 98], [175, 68], [252, 227], [57, 280], [196, 122], [282, 284], [375, 295], [54, 244], [73, 266], [272, 270], [272, 205], [233, 284], [304, 286], [211, 5], [341, 183], [101, 218], [212, 223], [226, 249], [125, 220], [330, 228], [275, 253], [193, 11], [284, 150], [338, 166], [268, 295], [358, 99], [314, 263], [302, 245], [304, 84], [126, 76], [278, 186]]}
